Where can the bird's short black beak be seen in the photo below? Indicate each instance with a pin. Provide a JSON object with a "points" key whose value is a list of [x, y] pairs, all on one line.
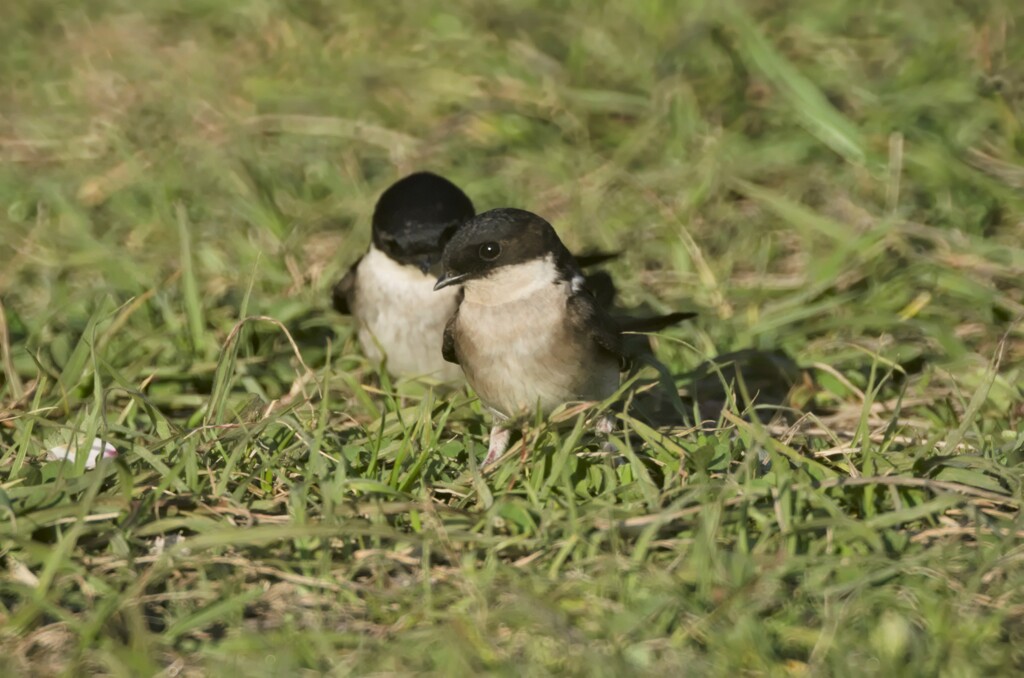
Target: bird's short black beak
{"points": [[445, 280]]}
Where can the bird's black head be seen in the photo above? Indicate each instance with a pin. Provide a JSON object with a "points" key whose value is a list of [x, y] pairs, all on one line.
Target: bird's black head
{"points": [[498, 238], [415, 215]]}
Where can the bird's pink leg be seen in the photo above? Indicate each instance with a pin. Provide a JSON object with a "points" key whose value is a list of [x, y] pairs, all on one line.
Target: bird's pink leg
{"points": [[497, 444]]}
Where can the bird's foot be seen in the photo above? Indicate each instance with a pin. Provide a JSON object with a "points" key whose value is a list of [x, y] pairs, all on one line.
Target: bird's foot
{"points": [[605, 424]]}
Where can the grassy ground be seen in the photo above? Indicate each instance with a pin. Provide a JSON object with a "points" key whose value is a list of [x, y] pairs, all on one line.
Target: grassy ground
{"points": [[838, 184]]}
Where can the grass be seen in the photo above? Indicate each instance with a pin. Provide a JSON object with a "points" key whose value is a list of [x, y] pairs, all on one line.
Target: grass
{"points": [[836, 186]]}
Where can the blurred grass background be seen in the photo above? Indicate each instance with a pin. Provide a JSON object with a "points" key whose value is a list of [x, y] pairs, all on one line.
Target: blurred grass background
{"points": [[840, 184]]}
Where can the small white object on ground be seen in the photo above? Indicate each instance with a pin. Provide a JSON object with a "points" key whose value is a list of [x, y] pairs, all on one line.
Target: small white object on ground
{"points": [[99, 449]]}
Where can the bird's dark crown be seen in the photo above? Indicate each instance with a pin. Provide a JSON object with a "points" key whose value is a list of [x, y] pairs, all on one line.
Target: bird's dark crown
{"points": [[499, 238], [416, 214]]}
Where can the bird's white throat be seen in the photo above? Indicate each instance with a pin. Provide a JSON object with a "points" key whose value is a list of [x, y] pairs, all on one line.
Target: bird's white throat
{"points": [[387, 269], [401, 315], [512, 283]]}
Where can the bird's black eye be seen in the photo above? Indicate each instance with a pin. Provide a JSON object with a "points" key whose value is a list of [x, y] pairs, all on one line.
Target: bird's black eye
{"points": [[490, 251]]}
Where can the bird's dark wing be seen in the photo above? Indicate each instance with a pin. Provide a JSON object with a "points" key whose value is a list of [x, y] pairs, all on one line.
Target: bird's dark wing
{"points": [[448, 342], [602, 286], [652, 323], [594, 257], [587, 316], [341, 295]]}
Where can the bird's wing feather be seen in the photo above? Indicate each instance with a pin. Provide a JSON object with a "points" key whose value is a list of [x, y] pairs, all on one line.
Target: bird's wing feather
{"points": [[448, 342], [652, 323], [344, 290], [594, 257], [602, 286], [448, 339], [587, 315]]}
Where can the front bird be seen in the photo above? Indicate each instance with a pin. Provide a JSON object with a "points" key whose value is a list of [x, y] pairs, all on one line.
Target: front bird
{"points": [[527, 332]]}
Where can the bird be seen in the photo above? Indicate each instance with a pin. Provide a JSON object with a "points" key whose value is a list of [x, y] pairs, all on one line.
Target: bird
{"points": [[388, 291], [527, 332]]}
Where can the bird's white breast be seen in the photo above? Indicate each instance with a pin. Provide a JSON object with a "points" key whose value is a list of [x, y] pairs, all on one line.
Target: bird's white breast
{"points": [[517, 348], [401, 316]]}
